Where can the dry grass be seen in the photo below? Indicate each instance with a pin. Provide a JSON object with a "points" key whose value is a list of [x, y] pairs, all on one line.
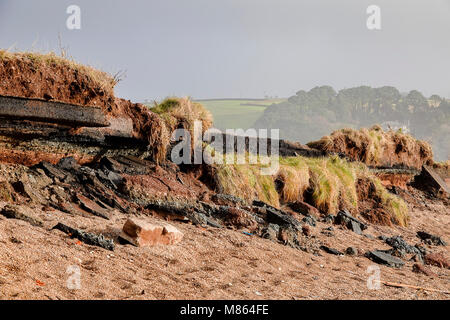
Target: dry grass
{"points": [[182, 113], [39, 61], [246, 182], [329, 184], [375, 147]]}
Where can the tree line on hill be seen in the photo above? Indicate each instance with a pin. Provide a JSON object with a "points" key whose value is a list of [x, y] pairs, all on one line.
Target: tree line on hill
{"points": [[310, 115]]}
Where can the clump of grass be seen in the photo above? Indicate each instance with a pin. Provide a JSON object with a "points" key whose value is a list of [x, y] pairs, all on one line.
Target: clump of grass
{"points": [[245, 181], [183, 112], [329, 183], [41, 61], [294, 175], [375, 147], [333, 184]]}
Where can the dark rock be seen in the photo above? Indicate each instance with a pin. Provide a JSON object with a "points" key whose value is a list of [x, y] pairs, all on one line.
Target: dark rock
{"points": [[331, 250], [88, 238], [309, 220], [11, 211], [92, 207], [329, 218], [270, 232], [402, 246], [382, 238], [435, 240], [385, 258], [51, 171], [281, 218], [68, 163], [369, 236], [431, 182], [227, 199], [345, 218], [351, 251], [355, 227]]}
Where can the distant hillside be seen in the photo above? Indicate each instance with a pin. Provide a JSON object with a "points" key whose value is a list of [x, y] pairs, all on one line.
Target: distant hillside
{"points": [[308, 116], [237, 113]]}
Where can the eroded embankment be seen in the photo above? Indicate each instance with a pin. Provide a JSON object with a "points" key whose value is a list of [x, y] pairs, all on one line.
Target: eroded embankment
{"points": [[329, 184], [377, 148], [48, 77]]}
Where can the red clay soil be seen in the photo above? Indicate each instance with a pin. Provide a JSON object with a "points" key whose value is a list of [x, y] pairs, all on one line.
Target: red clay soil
{"points": [[395, 179], [369, 204], [147, 126], [49, 77], [30, 157]]}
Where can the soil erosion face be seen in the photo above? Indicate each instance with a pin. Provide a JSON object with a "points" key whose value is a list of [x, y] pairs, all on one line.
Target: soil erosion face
{"points": [[52, 78]]}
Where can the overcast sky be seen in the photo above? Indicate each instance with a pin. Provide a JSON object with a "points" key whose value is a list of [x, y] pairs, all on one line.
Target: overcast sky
{"points": [[243, 48]]}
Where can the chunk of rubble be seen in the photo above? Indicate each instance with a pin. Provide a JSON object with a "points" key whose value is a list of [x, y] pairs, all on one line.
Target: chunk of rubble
{"points": [[92, 207], [399, 244], [430, 181], [12, 211], [345, 218], [227, 199], [141, 233], [385, 259], [331, 250], [351, 251], [86, 237], [309, 220], [431, 239], [270, 232], [276, 216]]}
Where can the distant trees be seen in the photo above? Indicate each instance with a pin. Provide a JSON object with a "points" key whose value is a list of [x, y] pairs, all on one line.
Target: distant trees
{"points": [[309, 115]]}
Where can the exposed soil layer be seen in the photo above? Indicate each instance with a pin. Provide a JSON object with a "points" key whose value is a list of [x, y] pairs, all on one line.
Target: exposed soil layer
{"points": [[377, 148], [49, 77]]}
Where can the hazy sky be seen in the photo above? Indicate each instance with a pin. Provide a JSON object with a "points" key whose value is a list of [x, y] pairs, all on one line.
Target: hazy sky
{"points": [[243, 48]]}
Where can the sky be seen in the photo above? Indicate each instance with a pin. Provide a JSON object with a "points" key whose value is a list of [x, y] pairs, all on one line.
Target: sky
{"points": [[242, 48]]}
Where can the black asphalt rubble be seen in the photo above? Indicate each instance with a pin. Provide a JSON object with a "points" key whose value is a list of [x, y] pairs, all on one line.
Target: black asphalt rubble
{"points": [[346, 219], [385, 258], [431, 239], [86, 237]]}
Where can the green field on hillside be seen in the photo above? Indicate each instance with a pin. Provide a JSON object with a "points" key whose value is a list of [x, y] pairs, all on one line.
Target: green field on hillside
{"points": [[238, 113]]}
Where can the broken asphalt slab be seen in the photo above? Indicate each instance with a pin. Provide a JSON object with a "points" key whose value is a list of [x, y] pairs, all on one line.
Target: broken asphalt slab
{"points": [[345, 218], [385, 259], [86, 237]]}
